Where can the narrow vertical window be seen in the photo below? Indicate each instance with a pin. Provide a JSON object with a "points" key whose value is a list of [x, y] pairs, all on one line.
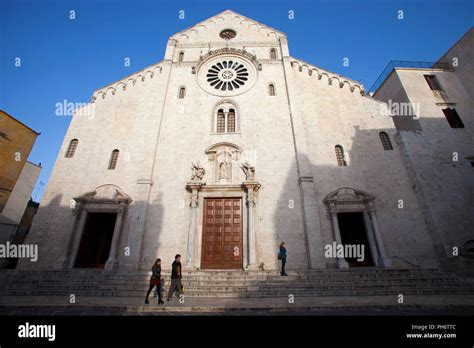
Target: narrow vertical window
{"points": [[182, 92], [181, 57], [72, 148], [231, 121], [385, 139], [220, 121], [273, 54], [340, 156], [271, 89], [113, 159], [433, 82], [453, 118]]}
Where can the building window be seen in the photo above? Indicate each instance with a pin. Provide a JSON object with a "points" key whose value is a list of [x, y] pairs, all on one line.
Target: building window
{"points": [[385, 139], [340, 156], [182, 92], [231, 121], [453, 118], [227, 34], [433, 82], [113, 159], [227, 75], [181, 57], [273, 54], [220, 121], [72, 148], [226, 119], [271, 89]]}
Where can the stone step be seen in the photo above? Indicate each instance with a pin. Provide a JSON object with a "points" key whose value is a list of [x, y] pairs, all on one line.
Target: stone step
{"points": [[232, 287], [306, 284], [368, 287], [253, 274], [210, 278], [368, 282], [250, 294]]}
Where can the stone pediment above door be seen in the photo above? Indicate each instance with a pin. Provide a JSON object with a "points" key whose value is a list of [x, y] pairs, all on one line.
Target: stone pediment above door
{"points": [[348, 199], [107, 193]]}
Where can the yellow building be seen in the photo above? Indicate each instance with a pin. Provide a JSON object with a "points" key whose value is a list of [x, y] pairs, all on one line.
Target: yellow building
{"points": [[16, 142]]}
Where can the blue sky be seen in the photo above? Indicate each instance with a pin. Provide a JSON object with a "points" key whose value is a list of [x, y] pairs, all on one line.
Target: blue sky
{"points": [[63, 59]]}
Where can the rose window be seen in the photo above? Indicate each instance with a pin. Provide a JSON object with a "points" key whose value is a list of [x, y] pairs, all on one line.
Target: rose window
{"points": [[227, 75], [227, 34]]}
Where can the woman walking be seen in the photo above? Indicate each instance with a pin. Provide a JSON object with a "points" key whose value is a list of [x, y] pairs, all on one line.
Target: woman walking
{"points": [[155, 280], [282, 257]]}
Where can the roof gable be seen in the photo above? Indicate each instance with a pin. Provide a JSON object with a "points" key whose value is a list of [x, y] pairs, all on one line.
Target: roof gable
{"points": [[209, 29]]}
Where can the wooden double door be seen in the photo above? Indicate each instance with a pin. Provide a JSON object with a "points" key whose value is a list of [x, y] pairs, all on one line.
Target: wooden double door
{"points": [[222, 245]]}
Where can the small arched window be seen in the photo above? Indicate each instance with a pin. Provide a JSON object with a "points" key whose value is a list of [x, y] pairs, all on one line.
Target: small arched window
{"points": [[386, 143], [181, 57], [273, 54], [231, 121], [182, 92], [341, 161], [113, 159], [220, 121], [72, 148], [271, 89]]}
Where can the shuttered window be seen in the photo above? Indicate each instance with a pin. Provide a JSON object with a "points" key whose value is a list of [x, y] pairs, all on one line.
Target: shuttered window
{"points": [[231, 121], [385, 140], [220, 121], [113, 159], [72, 148], [340, 156]]}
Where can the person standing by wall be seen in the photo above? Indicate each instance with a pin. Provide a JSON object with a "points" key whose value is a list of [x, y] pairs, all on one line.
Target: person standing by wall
{"points": [[282, 257]]}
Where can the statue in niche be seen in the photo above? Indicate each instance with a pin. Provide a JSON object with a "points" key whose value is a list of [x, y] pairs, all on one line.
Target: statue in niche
{"points": [[224, 170], [249, 171], [197, 171]]}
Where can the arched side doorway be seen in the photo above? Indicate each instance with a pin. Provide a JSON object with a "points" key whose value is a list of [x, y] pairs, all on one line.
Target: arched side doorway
{"points": [[354, 222], [96, 233]]}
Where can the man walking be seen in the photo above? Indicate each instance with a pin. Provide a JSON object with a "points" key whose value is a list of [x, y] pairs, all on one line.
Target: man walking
{"points": [[175, 277]]}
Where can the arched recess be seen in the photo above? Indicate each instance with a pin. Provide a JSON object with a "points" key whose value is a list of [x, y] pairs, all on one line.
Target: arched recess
{"points": [[108, 200], [224, 163], [349, 200]]}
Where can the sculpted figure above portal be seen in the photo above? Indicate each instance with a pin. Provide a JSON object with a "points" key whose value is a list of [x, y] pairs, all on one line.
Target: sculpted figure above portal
{"points": [[197, 171], [249, 171]]}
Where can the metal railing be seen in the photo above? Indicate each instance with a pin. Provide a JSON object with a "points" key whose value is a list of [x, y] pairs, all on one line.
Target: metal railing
{"points": [[404, 64]]}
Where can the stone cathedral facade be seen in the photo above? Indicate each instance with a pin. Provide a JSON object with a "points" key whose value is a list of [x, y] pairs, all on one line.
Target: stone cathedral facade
{"points": [[219, 152]]}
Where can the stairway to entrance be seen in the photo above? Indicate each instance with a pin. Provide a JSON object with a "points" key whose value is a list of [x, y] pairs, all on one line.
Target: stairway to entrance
{"points": [[249, 284]]}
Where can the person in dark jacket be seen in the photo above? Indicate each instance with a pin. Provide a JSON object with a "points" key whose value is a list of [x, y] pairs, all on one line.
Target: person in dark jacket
{"points": [[155, 280], [175, 277], [282, 257]]}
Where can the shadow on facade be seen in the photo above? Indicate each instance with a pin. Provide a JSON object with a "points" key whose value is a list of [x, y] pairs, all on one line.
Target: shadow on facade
{"points": [[416, 202], [371, 185]]}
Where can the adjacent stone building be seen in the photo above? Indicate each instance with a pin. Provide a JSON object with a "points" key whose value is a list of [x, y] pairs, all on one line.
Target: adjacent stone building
{"points": [[222, 150], [437, 143]]}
